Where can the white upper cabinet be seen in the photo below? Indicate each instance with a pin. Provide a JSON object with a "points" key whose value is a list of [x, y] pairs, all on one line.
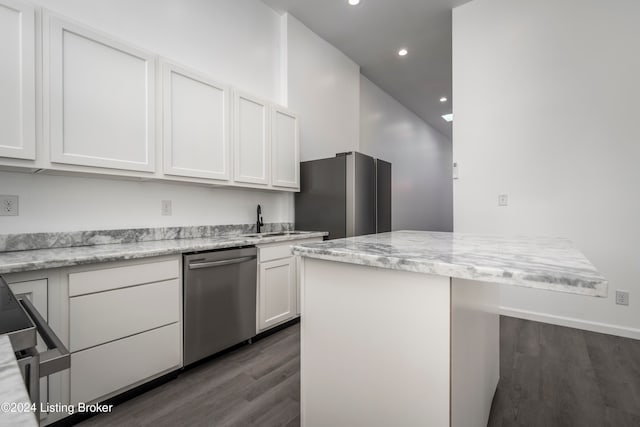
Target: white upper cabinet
{"points": [[17, 80], [195, 125], [285, 149], [111, 108], [99, 98], [251, 140]]}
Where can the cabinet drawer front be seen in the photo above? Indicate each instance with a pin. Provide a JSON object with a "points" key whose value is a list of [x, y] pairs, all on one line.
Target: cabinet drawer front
{"points": [[281, 250], [120, 277], [101, 370], [99, 318], [275, 252]]}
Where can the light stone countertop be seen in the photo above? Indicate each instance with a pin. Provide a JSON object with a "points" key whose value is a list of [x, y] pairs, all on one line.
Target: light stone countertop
{"points": [[536, 262], [39, 259], [12, 389]]}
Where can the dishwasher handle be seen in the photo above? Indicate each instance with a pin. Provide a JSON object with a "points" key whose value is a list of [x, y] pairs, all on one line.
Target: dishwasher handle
{"points": [[57, 358], [196, 265]]}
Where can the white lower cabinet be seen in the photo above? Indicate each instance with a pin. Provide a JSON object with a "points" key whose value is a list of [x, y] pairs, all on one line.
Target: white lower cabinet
{"points": [[278, 283], [125, 325], [99, 371], [92, 319], [277, 292]]}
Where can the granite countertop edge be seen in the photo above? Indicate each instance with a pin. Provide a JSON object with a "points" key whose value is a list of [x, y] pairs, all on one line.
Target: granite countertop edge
{"points": [[587, 285], [40, 259]]}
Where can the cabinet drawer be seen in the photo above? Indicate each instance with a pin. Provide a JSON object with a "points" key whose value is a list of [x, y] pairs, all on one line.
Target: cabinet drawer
{"points": [[282, 249], [106, 316], [105, 279], [102, 370]]}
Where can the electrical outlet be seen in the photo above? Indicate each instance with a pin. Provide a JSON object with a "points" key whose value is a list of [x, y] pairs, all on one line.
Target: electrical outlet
{"points": [[622, 297], [8, 205], [165, 208], [503, 200]]}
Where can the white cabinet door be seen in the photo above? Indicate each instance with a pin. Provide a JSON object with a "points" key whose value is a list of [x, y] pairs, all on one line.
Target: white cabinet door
{"points": [[99, 99], [17, 80], [251, 140], [285, 149], [195, 125], [276, 292]]}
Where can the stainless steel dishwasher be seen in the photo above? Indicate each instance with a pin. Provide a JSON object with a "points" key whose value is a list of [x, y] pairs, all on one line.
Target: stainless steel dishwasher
{"points": [[219, 301]]}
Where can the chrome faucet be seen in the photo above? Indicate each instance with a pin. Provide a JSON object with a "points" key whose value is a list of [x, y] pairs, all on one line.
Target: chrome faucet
{"points": [[259, 223]]}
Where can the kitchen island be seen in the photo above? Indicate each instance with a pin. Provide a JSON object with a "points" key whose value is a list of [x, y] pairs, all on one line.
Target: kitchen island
{"points": [[402, 328]]}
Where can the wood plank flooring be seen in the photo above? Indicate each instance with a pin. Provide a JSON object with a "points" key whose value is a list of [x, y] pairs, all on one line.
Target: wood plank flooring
{"points": [[555, 376], [255, 385], [550, 376]]}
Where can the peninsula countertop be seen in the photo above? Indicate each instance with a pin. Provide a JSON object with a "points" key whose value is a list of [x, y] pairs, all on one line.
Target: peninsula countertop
{"points": [[535, 262], [39, 259]]}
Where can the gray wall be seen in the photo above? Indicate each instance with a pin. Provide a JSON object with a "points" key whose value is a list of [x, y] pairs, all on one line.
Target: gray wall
{"points": [[421, 157]]}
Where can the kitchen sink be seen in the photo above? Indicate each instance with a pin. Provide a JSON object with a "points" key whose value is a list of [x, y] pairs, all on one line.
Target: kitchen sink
{"points": [[273, 234]]}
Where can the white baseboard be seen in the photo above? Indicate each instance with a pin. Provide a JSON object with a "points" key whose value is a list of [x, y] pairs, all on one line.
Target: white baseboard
{"points": [[604, 328]]}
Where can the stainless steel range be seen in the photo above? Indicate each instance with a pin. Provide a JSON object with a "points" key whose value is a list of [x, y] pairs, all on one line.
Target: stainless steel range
{"points": [[22, 323]]}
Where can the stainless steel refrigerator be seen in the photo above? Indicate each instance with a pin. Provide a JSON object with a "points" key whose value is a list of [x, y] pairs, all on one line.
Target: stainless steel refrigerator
{"points": [[346, 195]]}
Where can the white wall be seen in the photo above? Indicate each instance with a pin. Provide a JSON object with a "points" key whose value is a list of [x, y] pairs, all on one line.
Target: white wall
{"points": [[324, 89], [422, 194], [234, 41], [546, 110], [61, 203]]}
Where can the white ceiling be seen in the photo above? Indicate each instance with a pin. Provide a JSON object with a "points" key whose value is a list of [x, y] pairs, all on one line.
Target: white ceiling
{"points": [[371, 34]]}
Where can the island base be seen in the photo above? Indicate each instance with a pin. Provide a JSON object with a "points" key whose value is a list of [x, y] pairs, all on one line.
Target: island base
{"points": [[383, 347]]}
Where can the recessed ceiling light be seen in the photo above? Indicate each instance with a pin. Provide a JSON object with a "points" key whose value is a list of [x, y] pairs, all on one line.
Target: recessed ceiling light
{"points": [[354, 2], [448, 117], [403, 52], [443, 99]]}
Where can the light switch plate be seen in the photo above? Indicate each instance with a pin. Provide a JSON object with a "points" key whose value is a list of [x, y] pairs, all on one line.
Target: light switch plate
{"points": [[503, 200], [8, 205], [165, 208]]}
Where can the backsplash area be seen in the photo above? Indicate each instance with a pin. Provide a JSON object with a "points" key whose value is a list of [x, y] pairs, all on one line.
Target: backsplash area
{"points": [[30, 241]]}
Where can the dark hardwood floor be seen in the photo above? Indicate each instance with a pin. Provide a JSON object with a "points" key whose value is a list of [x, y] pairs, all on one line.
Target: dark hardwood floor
{"points": [[255, 385], [555, 376], [550, 376]]}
